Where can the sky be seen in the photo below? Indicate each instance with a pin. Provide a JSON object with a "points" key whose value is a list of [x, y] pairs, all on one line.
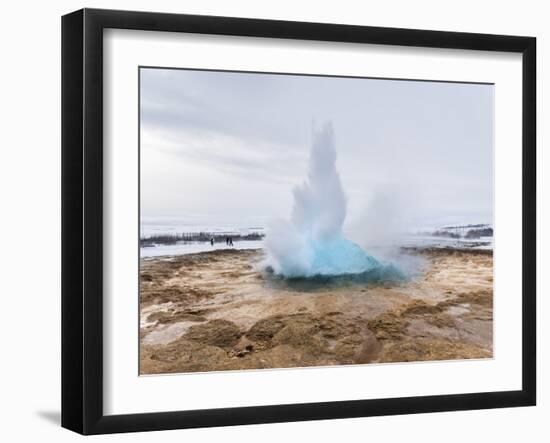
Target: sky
{"points": [[228, 148]]}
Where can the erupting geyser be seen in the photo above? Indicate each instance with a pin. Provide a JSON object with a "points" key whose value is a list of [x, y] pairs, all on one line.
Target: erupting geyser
{"points": [[312, 243]]}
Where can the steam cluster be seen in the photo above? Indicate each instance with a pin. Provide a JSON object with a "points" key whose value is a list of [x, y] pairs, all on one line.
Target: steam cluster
{"points": [[312, 243]]}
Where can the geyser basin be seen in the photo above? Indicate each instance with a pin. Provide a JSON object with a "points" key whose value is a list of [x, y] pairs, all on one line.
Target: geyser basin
{"points": [[312, 243]]}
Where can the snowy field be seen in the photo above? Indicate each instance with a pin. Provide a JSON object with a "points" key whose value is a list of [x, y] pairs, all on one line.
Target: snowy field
{"points": [[182, 248], [419, 241], [428, 241]]}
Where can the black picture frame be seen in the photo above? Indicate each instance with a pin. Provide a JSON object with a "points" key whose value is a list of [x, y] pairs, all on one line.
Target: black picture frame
{"points": [[82, 220]]}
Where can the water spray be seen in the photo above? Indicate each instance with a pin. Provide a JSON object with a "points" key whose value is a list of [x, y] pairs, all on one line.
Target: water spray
{"points": [[312, 243]]}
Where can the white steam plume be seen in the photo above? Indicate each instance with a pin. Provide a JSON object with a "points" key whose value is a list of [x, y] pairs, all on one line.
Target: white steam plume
{"points": [[312, 242]]}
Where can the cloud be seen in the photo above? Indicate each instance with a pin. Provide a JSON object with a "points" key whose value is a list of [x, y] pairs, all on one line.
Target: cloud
{"points": [[251, 133]]}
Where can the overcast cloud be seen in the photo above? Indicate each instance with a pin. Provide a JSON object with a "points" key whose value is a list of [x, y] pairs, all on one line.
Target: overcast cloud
{"points": [[227, 148]]}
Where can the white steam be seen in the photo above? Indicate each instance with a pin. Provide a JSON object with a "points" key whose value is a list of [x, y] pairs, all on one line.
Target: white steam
{"points": [[319, 203], [312, 242]]}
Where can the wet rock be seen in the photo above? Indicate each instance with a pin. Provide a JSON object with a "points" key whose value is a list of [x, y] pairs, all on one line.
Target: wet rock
{"points": [[172, 316], [389, 325], [265, 329], [243, 348], [420, 307], [180, 356], [146, 277], [431, 349], [442, 320], [221, 333]]}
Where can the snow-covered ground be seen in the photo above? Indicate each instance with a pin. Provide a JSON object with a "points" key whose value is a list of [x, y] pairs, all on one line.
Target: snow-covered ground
{"points": [[428, 241], [181, 248], [419, 238]]}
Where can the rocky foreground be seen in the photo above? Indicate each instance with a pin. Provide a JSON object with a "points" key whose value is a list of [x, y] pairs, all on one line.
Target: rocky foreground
{"points": [[217, 311]]}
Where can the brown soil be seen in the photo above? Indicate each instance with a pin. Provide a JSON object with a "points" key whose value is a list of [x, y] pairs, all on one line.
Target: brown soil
{"points": [[217, 311]]}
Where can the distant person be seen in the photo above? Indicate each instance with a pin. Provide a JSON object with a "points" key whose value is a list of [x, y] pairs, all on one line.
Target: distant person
{"points": [[230, 241], [212, 241], [227, 241]]}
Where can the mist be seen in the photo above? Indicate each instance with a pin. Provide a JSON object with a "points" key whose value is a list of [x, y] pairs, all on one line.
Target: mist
{"points": [[312, 242]]}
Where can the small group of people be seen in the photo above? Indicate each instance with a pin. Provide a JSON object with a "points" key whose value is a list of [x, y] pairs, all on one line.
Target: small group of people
{"points": [[228, 241]]}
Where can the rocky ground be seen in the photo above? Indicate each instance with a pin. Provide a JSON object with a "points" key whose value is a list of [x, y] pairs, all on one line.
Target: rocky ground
{"points": [[218, 311]]}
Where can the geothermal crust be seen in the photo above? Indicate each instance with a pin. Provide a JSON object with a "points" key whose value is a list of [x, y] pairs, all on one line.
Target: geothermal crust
{"points": [[218, 310]]}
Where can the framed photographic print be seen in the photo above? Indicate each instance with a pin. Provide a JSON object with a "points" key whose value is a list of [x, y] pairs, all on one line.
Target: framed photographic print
{"points": [[268, 221]]}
